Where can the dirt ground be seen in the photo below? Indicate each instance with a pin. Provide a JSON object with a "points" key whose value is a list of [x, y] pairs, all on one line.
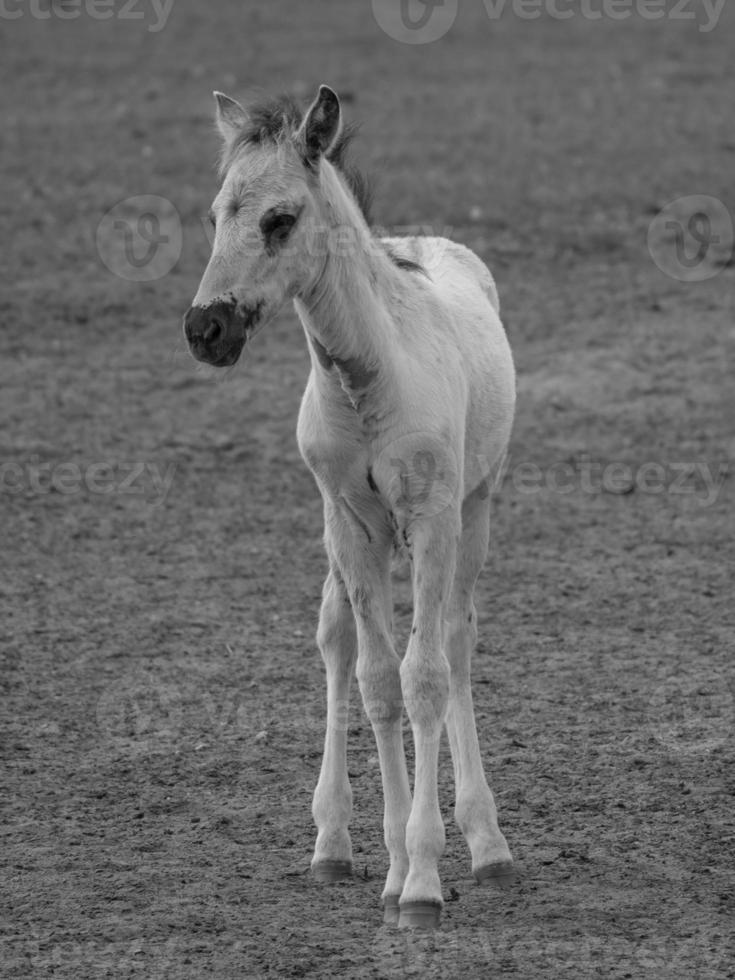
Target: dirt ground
{"points": [[163, 699]]}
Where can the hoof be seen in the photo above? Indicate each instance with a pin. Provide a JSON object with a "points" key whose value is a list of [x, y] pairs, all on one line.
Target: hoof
{"points": [[419, 915], [502, 874], [390, 910], [331, 870]]}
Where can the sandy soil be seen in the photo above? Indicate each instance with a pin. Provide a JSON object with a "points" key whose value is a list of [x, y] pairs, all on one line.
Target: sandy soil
{"points": [[162, 706]]}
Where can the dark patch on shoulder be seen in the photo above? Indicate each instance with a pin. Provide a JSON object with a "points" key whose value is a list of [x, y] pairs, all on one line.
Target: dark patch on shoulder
{"points": [[403, 262], [371, 482], [357, 375], [322, 354]]}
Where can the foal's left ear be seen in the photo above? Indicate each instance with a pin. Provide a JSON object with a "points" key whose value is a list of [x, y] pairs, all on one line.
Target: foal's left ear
{"points": [[321, 126], [231, 117]]}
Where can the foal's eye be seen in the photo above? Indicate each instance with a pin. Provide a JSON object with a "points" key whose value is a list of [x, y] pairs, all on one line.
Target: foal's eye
{"points": [[276, 226]]}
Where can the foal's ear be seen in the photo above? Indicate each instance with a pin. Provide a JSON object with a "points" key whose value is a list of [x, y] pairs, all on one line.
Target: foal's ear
{"points": [[231, 117], [321, 126]]}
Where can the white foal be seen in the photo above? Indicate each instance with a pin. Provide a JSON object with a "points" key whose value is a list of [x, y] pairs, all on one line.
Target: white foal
{"points": [[406, 417]]}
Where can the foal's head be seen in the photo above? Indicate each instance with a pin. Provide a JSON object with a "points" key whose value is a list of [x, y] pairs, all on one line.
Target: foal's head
{"points": [[267, 219]]}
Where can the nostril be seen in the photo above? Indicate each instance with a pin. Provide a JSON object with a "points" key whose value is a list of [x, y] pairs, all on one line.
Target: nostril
{"points": [[214, 332], [188, 327]]}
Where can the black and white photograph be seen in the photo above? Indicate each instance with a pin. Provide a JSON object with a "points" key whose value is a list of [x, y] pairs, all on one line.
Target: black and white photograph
{"points": [[367, 428]]}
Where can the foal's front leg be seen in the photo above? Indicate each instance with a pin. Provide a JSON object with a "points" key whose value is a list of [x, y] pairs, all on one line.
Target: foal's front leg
{"points": [[365, 564], [332, 806], [425, 683]]}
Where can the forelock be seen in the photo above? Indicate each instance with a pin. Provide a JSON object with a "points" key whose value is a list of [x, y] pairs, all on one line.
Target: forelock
{"points": [[275, 120], [269, 123]]}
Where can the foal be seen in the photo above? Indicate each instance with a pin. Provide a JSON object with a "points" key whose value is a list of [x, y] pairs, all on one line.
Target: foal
{"points": [[406, 417]]}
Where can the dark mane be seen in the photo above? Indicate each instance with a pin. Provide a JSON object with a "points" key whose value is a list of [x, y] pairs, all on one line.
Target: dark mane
{"points": [[276, 119]]}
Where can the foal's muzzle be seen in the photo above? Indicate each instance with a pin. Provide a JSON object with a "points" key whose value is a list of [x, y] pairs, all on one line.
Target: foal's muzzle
{"points": [[217, 333]]}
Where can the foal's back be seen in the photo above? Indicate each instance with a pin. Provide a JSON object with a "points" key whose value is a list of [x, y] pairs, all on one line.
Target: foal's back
{"points": [[468, 298], [445, 262]]}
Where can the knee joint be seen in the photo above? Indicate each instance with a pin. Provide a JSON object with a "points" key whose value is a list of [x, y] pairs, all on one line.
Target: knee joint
{"points": [[336, 622], [380, 688], [462, 636], [425, 690]]}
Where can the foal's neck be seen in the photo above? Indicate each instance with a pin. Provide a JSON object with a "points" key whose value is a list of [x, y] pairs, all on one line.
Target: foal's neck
{"points": [[347, 312]]}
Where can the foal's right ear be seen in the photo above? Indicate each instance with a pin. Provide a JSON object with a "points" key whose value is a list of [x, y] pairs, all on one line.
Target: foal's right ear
{"points": [[321, 126], [231, 117]]}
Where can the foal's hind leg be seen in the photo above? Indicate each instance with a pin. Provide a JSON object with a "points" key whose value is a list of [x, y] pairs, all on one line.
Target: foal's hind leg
{"points": [[332, 806], [474, 810], [425, 683]]}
